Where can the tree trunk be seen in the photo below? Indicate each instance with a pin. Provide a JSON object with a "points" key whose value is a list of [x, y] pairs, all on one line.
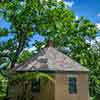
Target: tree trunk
{"points": [[20, 90]]}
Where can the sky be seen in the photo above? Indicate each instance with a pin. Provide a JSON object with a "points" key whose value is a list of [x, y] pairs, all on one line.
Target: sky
{"points": [[87, 8]]}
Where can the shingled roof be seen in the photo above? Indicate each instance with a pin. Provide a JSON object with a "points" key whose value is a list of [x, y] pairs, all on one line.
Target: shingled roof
{"points": [[50, 59]]}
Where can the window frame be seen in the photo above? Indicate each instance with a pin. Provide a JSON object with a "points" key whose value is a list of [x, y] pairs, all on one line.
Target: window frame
{"points": [[72, 85]]}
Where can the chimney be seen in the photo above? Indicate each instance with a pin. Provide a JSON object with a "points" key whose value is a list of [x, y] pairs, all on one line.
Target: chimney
{"points": [[49, 43]]}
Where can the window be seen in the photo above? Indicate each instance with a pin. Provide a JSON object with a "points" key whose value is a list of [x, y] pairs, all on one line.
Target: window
{"points": [[36, 86], [72, 85]]}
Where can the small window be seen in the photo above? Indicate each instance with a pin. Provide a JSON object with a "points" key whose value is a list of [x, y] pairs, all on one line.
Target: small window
{"points": [[36, 86], [72, 85]]}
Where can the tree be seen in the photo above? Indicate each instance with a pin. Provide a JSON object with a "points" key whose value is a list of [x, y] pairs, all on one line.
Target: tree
{"points": [[3, 86], [50, 19], [89, 57]]}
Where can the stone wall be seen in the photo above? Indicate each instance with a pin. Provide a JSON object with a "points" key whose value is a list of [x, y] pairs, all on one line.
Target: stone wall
{"points": [[56, 90], [61, 87]]}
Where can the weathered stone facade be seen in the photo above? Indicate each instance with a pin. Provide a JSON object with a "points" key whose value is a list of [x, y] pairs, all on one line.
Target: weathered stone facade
{"points": [[61, 87], [53, 90], [62, 67]]}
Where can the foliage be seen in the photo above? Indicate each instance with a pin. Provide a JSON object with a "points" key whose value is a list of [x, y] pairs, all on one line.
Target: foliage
{"points": [[90, 57], [52, 20], [24, 56], [29, 76], [48, 18], [3, 86], [94, 66]]}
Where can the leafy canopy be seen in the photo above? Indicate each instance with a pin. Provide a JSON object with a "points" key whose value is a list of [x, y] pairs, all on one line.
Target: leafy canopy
{"points": [[48, 18]]}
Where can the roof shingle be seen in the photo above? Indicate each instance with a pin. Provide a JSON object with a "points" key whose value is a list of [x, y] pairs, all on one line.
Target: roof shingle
{"points": [[50, 59]]}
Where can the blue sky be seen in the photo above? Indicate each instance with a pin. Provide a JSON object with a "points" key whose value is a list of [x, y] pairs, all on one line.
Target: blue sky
{"points": [[88, 8]]}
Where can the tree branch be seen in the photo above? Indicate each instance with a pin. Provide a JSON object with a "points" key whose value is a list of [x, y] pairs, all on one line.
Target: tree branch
{"points": [[19, 50], [5, 55]]}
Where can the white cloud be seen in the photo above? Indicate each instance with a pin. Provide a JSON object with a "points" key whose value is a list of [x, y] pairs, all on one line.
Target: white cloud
{"points": [[69, 4], [98, 38], [77, 17], [98, 15], [30, 49], [57, 0], [98, 26]]}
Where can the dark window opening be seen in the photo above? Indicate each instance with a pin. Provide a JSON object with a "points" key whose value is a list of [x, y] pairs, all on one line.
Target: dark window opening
{"points": [[72, 85], [35, 86]]}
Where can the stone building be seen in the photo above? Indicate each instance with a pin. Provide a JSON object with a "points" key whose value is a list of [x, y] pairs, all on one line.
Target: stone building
{"points": [[70, 78]]}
